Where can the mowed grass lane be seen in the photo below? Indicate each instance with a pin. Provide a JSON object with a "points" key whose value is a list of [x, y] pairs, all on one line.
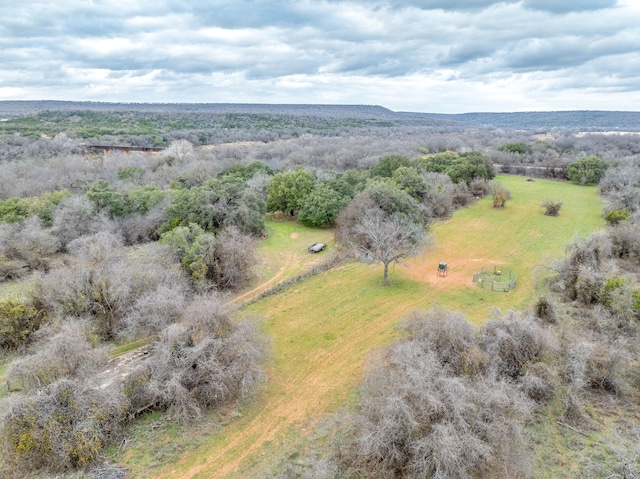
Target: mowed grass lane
{"points": [[324, 328]]}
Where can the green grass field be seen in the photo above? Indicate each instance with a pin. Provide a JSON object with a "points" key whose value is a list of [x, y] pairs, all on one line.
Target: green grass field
{"points": [[323, 329]]}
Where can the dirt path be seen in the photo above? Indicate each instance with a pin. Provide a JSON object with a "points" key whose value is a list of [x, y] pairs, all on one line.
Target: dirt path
{"points": [[304, 399], [266, 284]]}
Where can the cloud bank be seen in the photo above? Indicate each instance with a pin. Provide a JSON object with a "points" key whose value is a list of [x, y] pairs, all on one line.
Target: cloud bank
{"points": [[417, 55]]}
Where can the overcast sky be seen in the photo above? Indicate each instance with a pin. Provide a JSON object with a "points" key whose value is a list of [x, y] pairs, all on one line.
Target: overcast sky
{"points": [[448, 56]]}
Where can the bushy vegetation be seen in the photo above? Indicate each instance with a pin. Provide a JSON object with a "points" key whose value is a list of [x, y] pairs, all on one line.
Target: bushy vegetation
{"points": [[15, 210], [552, 208], [205, 362], [68, 412], [65, 427]]}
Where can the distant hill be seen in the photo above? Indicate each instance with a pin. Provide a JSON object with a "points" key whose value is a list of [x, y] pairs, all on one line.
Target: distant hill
{"points": [[11, 109], [582, 120]]}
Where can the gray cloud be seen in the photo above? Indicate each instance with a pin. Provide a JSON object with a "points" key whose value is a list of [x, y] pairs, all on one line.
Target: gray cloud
{"points": [[557, 6], [318, 51]]}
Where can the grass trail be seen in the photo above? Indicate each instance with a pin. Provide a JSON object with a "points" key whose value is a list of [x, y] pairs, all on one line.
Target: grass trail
{"points": [[324, 328]]}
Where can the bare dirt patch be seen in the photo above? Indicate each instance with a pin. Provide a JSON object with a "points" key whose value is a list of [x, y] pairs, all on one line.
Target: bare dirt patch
{"points": [[461, 268]]}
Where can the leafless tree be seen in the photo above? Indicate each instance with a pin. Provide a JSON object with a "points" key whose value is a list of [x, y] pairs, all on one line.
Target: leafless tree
{"points": [[138, 228], [202, 364], [28, 241], [384, 238], [106, 285], [179, 149], [75, 217], [514, 342], [450, 336], [66, 354], [234, 259]]}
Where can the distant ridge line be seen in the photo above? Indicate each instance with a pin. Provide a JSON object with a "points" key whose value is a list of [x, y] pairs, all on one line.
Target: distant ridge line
{"points": [[13, 108], [573, 120]]}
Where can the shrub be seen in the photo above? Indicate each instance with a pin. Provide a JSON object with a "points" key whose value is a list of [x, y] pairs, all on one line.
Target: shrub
{"points": [[449, 336], [103, 283], [589, 286], [551, 208], [480, 187], [500, 194], [595, 366], [234, 259], [206, 362], [544, 309], [17, 321], [65, 426], [513, 343], [28, 242], [75, 217], [154, 310], [625, 241], [614, 217], [579, 275], [462, 195], [66, 354], [141, 228], [539, 382]]}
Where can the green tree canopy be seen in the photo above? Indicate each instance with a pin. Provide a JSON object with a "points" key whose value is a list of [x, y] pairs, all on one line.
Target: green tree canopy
{"points": [[470, 166], [244, 172], [587, 171], [195, 247], [388, 164], [215, 205], [391, 199], [463, 167], [15, 210], [519, 147], [108, 198], [287, 190], [322, 205], [144, 198], [410, 181]]}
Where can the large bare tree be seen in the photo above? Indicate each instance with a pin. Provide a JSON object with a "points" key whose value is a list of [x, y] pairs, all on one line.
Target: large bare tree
{"points": [[386, 238]]}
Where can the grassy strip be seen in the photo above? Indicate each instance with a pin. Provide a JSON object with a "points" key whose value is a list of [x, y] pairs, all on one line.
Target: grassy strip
{"points": [[130, 346], [332, 262]]}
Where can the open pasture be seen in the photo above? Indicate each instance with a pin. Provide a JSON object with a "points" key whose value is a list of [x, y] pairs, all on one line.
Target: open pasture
{"points": [[324, 328]]}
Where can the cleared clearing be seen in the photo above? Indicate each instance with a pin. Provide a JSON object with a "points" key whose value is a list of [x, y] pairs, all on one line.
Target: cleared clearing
{"points": [[324, 328]]}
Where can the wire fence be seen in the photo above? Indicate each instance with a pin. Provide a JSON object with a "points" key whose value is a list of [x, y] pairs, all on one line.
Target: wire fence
{"points": [[494, 278]]}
